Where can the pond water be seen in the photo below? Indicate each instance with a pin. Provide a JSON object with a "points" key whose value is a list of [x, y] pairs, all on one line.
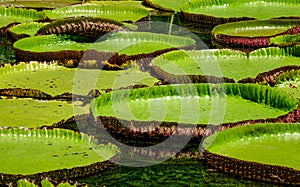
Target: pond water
{"points": [[187, 172]]}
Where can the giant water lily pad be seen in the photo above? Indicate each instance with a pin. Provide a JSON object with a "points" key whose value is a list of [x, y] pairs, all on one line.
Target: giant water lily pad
{"points": [[255, 33], [36, 113], [132, 3], [56, 80], [50, 151], [257, 149], [123, 12], [227, 11], [12, 15], [194, 103], [39, 4], [221, 65], [133, 45]]}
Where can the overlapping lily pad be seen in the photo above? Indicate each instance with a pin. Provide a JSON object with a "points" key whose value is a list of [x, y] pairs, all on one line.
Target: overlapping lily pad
{"points": [[256, 152], [223, 11], [122, 12], [193, 104], [166, 5], [25, 29], [254, 34], [57, 154], [14, 15], [223, 65], [131, 45], [36, 113], [56, 80]]}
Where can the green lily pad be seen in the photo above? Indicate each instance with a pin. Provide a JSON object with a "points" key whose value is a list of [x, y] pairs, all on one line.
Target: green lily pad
{"points": [[255, 33], [53, 47], [39, 4], [286, 40], [25, 29], [133, 3], [133, 43], [36, 113], [13, 15], [199, 66], [255, 28], [124, 12], [166, 5], [46, 151], [227, 11], [56, 80], [259, 147], [193, 104]]}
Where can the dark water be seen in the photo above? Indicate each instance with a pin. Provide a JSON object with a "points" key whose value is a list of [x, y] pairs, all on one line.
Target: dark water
{"points": [[7, 54], [178, 172]]}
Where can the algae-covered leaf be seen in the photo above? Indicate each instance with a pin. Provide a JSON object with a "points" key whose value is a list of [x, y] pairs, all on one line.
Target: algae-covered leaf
{"points": [[36, 113], [55, 80], [124, 12], [222, 11], [49, 151]]}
